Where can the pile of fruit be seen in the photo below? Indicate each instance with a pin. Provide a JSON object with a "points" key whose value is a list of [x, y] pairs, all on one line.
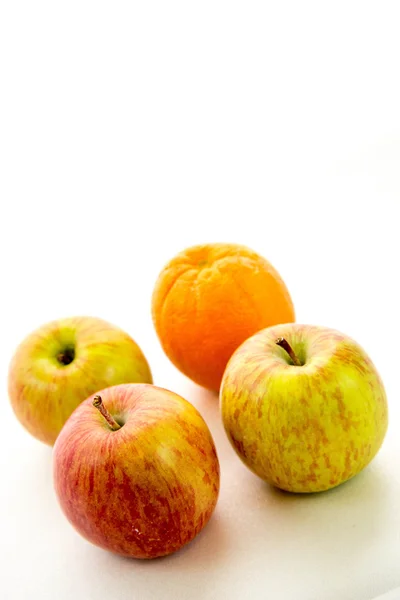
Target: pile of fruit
{"points": [[135, 466]]}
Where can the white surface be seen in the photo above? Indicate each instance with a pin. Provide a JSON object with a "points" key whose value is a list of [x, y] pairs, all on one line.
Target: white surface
{"points": [[131, 130], [392, 595]]}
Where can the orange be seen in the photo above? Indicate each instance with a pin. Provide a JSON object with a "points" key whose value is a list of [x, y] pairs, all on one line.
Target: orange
{"points": [[211, 298]]}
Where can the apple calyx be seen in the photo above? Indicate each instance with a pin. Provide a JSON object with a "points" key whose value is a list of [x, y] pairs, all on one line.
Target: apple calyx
{"points": [[288, 348], [98, 403]]}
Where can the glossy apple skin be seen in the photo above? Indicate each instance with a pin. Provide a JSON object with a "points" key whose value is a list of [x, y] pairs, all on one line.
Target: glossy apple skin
{"points": [[43, 392], [306, 428], [147, 489]]}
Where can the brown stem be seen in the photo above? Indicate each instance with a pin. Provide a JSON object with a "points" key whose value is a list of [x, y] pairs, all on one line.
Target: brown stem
{"points": [[66, 356], [98, 403], [288, 348]]}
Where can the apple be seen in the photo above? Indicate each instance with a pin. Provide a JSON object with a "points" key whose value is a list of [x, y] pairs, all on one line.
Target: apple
{"points": [[303, 406], [136, 470], [58, 366]]}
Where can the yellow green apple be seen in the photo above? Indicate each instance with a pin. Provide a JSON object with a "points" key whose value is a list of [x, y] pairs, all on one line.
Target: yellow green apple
{"points": [[303, 406], [136, 471], [60, 364]]}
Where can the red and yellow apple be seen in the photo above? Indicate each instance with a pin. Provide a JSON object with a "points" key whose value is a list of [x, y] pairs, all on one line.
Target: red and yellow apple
{"points": [[58, 366], [303, 406], [136, 471]]}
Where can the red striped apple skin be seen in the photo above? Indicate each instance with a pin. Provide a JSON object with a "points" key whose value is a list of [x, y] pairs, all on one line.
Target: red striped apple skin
{"points": [[303, 428], [144, 490], [43, 392]]}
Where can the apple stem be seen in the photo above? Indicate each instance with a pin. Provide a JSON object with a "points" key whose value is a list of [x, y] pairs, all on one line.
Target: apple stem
{"points": [[288, 348], [98, 403], [66, 356]]}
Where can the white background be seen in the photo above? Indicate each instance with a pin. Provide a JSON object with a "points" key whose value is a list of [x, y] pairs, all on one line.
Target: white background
{"points": [[129, 130]]}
